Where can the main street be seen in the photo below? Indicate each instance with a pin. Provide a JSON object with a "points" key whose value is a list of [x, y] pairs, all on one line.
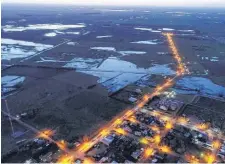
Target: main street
{"points": [[103, 132]]}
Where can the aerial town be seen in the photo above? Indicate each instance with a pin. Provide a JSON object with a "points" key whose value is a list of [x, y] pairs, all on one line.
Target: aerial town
{"points": [[155, 129], [110, 84]]}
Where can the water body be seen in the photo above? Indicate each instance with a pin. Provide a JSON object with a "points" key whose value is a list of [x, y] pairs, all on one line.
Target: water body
{"points": [[12, 49], [103, 48], [125, 53], [9, 83], [152, 42], [114, 73], [203, 85], [147, 29], [83, 63], [11, 28], [51, 34], [104, 36]]}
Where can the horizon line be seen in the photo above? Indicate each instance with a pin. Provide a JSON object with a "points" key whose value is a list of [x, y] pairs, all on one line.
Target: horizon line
{"points": [[108, 5]]}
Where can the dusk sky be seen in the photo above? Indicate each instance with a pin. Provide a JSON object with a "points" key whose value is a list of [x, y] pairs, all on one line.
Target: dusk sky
{"points": [[183, 3]]}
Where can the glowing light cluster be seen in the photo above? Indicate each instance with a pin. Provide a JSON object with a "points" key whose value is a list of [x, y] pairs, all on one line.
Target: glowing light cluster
{"points": [[210, 158], [88, 161], [46, 134], [62, 144], [202, 126], [117, 122], [157, 139], [182, 120], [144, 141], [66, 159], [168, 125], [132, 119], [155, 128], [85, 146], [104, 132], [192, 159], [216, 144], [148, 152], [165, 149], [181, 68], [120, 131]]}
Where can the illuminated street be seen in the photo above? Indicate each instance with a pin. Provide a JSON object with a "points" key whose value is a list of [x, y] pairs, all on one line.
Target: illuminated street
{"points": [[129, 113], [112, 81], [153, 142]]}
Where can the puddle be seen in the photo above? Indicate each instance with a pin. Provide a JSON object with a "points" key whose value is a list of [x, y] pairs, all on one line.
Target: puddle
{"points": [[42, 27]]}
